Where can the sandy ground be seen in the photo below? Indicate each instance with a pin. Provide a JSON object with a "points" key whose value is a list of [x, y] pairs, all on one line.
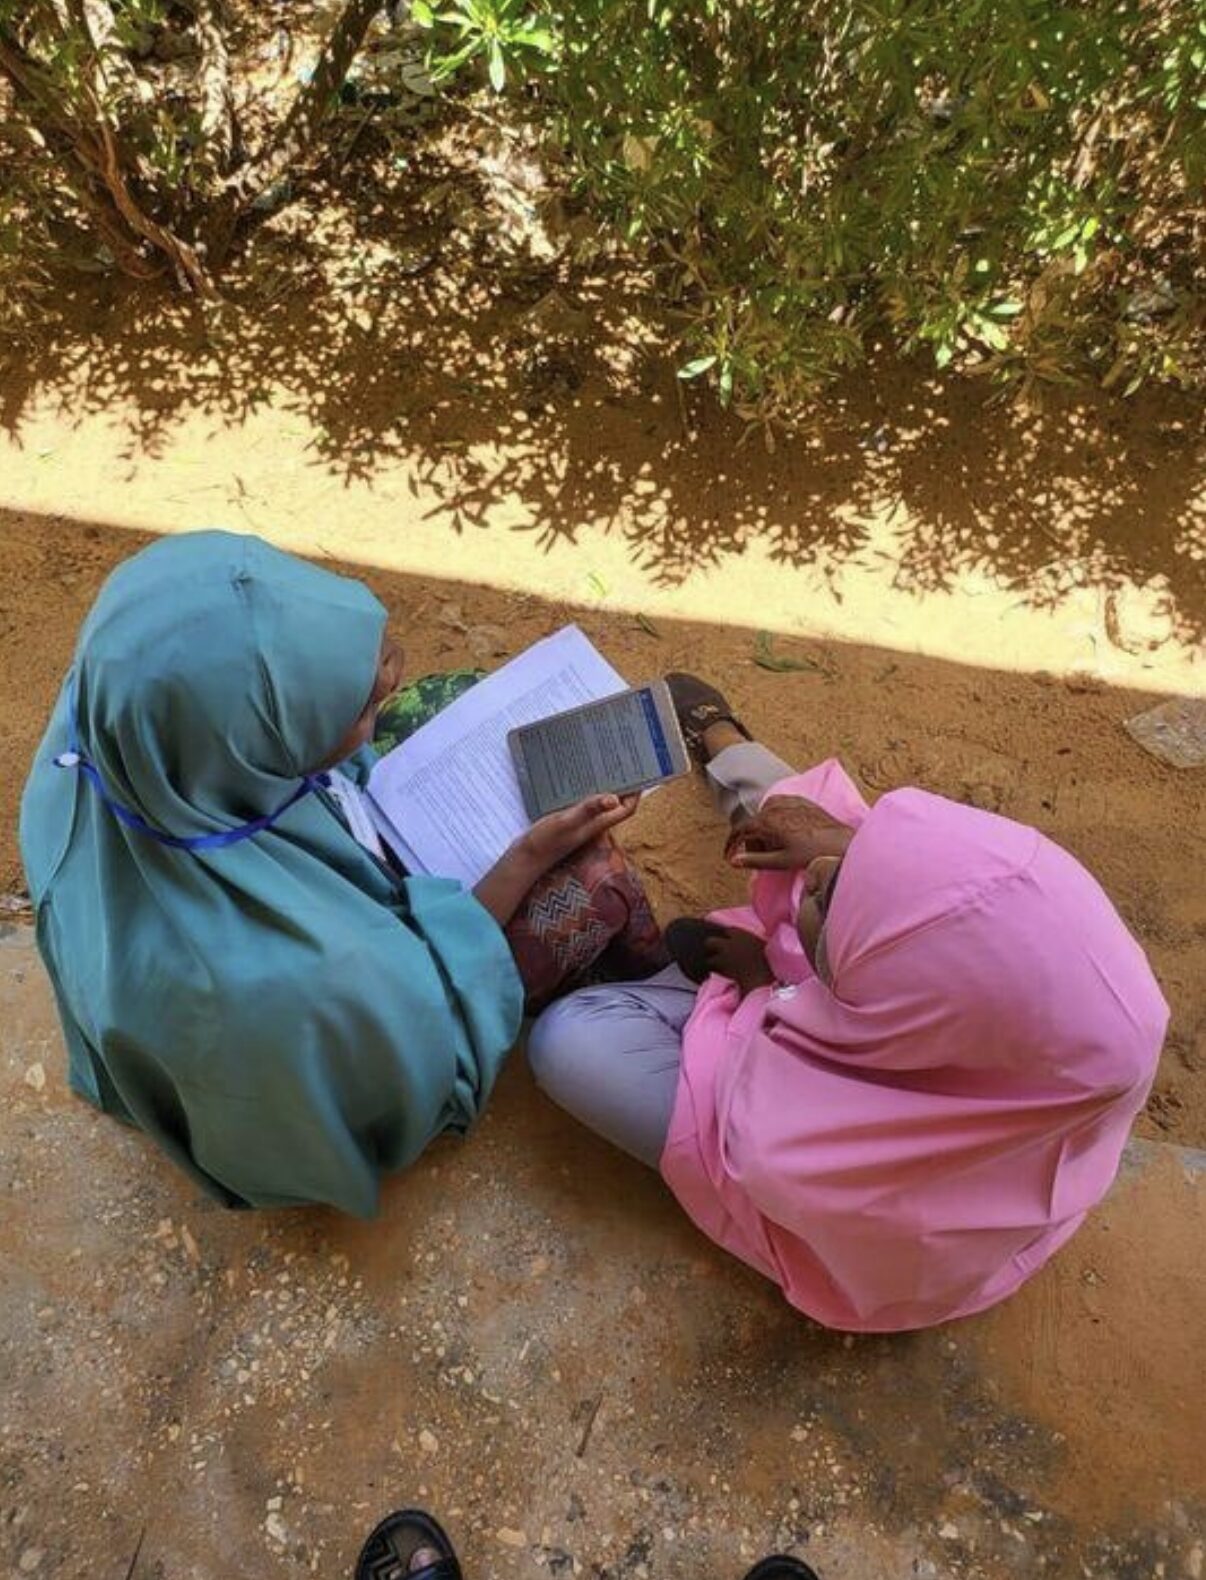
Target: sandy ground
{"points": [[977, 603], [1047, 749]]}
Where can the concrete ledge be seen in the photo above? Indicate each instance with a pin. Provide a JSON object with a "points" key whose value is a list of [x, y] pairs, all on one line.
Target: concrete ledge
{"points": [[532, 1340]]}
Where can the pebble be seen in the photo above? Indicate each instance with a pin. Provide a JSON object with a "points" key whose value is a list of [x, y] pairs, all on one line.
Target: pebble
{"points": [[428, 1441], [30, 1559], [35, 1076], [1193, 1562], [510, 1538], [948, 1532], [276, 1528]]}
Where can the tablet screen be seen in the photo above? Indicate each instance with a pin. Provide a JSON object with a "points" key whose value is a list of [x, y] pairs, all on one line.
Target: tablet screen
{"points": [[617, 744]]}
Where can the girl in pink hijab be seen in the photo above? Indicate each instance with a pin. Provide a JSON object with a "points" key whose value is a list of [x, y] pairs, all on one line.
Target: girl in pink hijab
{"points": [[903, 1073]]}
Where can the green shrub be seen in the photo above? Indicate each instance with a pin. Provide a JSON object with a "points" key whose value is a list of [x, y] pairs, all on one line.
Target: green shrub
{"points": [[1015, 185]]}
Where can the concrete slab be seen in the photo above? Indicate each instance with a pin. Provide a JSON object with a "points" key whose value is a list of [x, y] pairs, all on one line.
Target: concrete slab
{"points": [[533, 1341]]}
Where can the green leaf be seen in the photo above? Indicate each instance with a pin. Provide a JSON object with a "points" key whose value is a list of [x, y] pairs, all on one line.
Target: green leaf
{"points": [[692, 370], [448, 65], [498, 70], [991, 334], [421, 13], [538, 38], [766, 657]]}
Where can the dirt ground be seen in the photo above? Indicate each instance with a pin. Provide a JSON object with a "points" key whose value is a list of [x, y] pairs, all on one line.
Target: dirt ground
{"points": [[1045, 748], [534, 1341], [972, 600]]}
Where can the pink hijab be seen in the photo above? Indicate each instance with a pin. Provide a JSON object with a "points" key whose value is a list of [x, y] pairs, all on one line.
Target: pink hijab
{"points": [[912, 1142]]}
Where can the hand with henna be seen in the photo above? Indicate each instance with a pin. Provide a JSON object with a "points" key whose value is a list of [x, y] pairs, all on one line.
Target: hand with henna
{"points": [[789, 833]]}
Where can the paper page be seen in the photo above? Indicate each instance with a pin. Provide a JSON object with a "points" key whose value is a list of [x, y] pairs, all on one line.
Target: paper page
{"points": [[447, 799]]}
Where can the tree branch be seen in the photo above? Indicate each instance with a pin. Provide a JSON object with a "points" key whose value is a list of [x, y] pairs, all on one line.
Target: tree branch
{"points": [[82, 138], [190, 271], [114, 234], [88, 157], [112, 63], [314, 101], [217, 105]]}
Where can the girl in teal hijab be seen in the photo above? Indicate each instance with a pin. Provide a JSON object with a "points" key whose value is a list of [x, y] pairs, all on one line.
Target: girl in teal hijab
{"points": [[237, 974]]}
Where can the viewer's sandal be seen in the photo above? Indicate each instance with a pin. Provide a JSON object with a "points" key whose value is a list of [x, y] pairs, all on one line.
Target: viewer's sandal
{"points": [[780, 1567], [698, 707], [388, 1552]]}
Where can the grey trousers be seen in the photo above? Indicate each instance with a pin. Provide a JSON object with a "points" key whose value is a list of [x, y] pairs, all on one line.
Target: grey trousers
{"points": [[610, 1054]]}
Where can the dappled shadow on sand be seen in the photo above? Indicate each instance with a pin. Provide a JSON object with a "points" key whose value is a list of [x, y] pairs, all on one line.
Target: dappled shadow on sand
{"points": [[394, 316]]}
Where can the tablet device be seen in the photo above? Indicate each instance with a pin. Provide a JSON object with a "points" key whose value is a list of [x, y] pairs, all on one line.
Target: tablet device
{"points": [[628, 742]]}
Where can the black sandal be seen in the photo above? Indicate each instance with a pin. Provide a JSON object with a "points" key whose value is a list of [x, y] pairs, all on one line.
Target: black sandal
{"points": [[698, 707], [780, 1567], [686, 938], [388, 1552]]}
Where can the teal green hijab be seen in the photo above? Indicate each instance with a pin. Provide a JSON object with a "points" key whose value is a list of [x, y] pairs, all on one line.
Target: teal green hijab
{"points": [[286, 1017]]}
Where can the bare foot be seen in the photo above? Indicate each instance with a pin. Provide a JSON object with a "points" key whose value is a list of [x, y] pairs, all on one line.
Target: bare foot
{"points": [[720, 735], [741, 957], [422, 1558]]}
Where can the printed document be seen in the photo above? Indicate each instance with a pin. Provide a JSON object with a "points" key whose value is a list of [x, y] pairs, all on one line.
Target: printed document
{"points": [[447, 800]]}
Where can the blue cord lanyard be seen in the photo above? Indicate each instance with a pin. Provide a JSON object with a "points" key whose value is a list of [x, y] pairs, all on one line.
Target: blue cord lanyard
{"points": [[74, 758]]}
